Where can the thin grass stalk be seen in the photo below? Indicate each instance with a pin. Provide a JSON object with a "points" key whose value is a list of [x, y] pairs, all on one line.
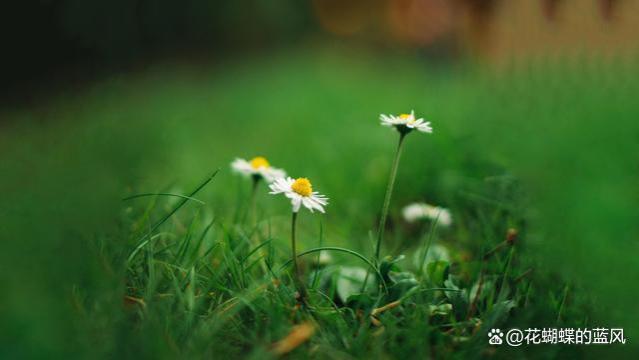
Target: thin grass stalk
{"points": [[424, 254], [297, 276], [563, 303], [387, 197], [252, 219], [252, 201]]}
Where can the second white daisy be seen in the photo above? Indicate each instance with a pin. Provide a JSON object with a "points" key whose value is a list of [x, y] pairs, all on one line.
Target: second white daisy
{"points": [[406, 122], [257, 167], [300, 191]]}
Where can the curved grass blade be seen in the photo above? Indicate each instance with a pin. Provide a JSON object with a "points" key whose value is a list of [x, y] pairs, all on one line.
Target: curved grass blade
{"points": [[264, 243], [163, 194], [427, 245], [145, 239], [335, 248]]}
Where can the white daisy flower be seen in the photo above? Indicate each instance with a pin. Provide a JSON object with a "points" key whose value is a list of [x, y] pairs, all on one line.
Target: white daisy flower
{"points": [[324, 259], [258, 166], [418, 211], [300, 191], [406, 122]]}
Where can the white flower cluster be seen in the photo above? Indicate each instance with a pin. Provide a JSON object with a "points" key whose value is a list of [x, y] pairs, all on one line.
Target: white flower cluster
{"points": [[419, 211]]}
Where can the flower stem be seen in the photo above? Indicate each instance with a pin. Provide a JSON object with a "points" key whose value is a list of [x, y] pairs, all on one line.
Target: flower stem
{"points": [[252, 221], [387, 197], [296, 269], [385, 207], [256, 183]]}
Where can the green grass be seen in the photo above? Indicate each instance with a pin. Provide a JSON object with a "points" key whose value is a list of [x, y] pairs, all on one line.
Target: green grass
{"points": [[550, 151]]}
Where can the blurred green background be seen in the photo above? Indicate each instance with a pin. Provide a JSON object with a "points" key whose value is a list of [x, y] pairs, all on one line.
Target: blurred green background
{"points": [[108, 99]]}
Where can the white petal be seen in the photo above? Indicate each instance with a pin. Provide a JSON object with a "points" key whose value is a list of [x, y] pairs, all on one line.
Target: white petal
{"points": [[413, 212], [321, 199], [242, 166], [317, 204], [425, 127], [306, 201], [291, 194], [444, 217], [296, 202], [417, 211], [389, 120], [280, 186], [385, 118], [271, 174]]}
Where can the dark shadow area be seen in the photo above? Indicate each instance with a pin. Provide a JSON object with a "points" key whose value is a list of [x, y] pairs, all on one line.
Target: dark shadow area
{"points": [[49, 45]]}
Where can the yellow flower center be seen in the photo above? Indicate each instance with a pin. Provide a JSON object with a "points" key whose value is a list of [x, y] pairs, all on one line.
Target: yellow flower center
{"points": [[259, 162], [302, 186], [407, 117]]}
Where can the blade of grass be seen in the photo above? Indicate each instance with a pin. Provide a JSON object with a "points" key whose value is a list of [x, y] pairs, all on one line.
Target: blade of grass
{"points": [[427, 245], [319, 253], [198, 244], [335, 248], [163, 194], [144, 240], [264, 243]]}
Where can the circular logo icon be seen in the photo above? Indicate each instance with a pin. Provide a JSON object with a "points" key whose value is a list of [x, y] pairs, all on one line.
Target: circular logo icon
{"points": [[514, 337]]}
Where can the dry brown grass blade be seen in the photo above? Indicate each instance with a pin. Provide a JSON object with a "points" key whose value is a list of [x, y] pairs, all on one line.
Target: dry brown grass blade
{"points": [[388, 306], [131, 301], [298, 335], [375, 321]]}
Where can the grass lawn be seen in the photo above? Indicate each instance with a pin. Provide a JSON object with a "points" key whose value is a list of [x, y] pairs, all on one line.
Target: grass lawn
{"points": [[549, 150]]}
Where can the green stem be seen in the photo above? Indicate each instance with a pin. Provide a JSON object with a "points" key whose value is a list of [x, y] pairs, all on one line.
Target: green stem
{"points": [[293, 245], [387, 197], [296, 269], [427, 248], [253, 221], [256, 182], [386, 205]]}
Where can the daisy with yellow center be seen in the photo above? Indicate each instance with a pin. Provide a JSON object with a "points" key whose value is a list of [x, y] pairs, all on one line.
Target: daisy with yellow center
{"points": [[406, 123], [300, 191], [259, 162], [258, 167]]}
